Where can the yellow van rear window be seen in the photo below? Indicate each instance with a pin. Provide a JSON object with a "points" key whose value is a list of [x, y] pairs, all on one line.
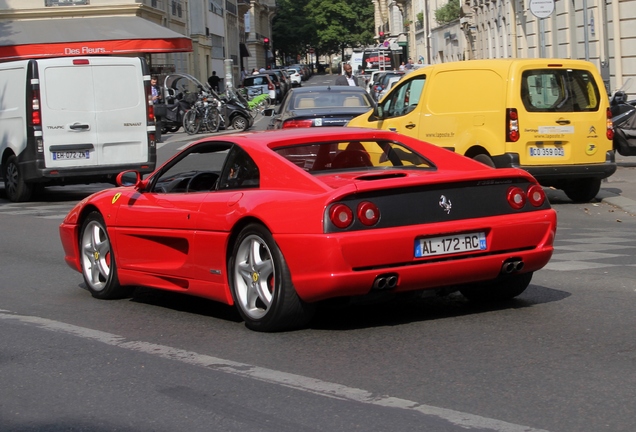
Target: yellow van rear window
{"points": [[559, 90]]}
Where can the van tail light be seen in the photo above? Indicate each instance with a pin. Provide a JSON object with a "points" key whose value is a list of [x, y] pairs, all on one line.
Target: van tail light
{"points": [[151, 110], [298, 124], [36, 113], [512, 125], [609, 125]]}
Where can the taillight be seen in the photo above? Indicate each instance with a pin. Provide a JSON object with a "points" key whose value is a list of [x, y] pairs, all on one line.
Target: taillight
{"points": [[512, 125], [298, 124], [368, 213], [151, 110], [536, 195], [516, 197], [36, 117], [341, 216], [609, 125], [270, 86]]}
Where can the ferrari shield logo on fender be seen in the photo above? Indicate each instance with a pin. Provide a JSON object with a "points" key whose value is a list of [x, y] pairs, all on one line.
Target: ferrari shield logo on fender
{"points": [[115, 198], [445, 204]]}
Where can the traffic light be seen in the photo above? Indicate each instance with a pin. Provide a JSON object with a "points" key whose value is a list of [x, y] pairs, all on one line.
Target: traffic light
{"points": [[381, 36], [266, 43]]}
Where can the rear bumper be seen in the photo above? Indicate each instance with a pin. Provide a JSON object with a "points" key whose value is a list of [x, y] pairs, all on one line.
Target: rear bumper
{"points": [[347, 264], [547, 173]]}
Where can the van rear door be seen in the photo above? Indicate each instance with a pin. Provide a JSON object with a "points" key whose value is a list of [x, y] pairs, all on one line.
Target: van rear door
{"points": [[93, 111], [563, 116]]}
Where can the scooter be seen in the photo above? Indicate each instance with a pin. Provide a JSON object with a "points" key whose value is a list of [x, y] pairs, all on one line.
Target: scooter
{"points": [[180, 92], [624, 119]]}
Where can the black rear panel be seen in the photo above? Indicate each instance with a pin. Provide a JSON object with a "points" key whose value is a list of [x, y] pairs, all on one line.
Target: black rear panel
{"points": [[436, 203]]}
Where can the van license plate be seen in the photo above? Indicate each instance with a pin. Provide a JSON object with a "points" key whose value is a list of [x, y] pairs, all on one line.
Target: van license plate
{"points": [[431, 246], [71, 155], [547, 152]]}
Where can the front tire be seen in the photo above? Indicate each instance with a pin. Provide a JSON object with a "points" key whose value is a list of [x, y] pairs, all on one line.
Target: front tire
{"points": [[499, 290], [261, 285], [16, 188], [98, 261], [191, 122], [582, 190]]}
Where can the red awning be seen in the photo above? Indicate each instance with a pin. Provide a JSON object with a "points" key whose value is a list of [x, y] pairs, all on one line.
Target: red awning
{"points": [[87, 36]]}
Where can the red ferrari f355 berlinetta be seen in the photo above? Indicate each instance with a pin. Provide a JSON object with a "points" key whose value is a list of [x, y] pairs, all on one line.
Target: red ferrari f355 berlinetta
{"points": [[277, 221]]}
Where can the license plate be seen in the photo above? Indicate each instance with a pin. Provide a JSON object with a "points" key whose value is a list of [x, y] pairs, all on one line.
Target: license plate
{"points": [[431, 246], [547, 152], [67, 155]]}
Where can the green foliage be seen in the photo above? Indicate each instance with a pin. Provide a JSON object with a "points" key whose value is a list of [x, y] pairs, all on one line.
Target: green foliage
{"points": [[447, 13], [420, 17], [326, 25]]}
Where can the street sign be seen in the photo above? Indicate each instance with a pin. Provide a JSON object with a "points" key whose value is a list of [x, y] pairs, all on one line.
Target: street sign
{"points": [[542, 8]]}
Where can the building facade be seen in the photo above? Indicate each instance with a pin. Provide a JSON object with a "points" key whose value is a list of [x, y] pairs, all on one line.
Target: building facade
{"points": [[601, 31], [222, 35]]}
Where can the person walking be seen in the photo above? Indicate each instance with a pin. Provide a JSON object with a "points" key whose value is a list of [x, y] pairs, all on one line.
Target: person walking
{"points": [[214, 81], [347, 79], [156, 100]]}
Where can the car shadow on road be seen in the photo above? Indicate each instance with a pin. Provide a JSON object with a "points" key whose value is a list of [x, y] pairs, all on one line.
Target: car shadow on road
{"points": [[53, 194], [407, 309]]}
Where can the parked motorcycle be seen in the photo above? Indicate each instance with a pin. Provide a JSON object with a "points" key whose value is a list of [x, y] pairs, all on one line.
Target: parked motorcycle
{"points": [[180, 93], [624, 119], [235, 111]]}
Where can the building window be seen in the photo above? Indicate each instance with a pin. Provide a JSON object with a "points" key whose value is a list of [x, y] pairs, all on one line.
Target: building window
{"points": [[218, 50], [177, 8], [48, 3], [216, 7], [231, 7]]}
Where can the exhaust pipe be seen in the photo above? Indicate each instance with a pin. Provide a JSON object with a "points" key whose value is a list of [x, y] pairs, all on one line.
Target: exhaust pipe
{"points": [[385, 281], [511, 266]]}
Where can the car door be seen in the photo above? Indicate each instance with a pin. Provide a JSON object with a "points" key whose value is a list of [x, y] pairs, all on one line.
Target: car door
{"points": [[400, 110]]}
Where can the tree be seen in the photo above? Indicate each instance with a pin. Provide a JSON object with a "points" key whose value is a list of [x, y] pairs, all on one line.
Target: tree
{"points": [[447, 13], [328, 26]]}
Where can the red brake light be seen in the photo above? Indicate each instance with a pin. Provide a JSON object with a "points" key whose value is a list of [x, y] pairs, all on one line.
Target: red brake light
{"points": [[536, 195], [516, 197], [298, 124], [270, 86], [341, 216], [609, 124], [368, 213], [36, 118], [80, 61], [512, 125]]}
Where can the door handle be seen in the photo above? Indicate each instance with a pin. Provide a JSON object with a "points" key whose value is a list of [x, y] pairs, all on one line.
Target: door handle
{"points": [[78, 126], [563, 121], [410, 126]]}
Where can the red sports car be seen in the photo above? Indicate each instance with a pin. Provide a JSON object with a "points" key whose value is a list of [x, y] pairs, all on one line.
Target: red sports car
{"points": [[276, 221]]}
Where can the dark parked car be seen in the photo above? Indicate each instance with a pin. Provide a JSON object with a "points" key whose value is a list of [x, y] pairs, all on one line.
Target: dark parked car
{"points": [[319, 106]]}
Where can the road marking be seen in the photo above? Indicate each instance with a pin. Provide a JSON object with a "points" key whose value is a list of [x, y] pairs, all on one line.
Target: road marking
{"points": [[297, 382]]}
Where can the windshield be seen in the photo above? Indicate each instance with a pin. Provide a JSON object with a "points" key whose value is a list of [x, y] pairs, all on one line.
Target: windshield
{"points": [[318, 158]]}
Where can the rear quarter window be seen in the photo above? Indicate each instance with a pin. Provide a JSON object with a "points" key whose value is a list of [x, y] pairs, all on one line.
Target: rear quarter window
{"points": [[559, 90], [466, 91]]}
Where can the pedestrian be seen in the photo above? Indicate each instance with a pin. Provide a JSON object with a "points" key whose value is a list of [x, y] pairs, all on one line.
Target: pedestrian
{"points": [[243, 75], [402, 66], [409, 65], [214, 81], [347, 78], [157, 100], [255, 71]]}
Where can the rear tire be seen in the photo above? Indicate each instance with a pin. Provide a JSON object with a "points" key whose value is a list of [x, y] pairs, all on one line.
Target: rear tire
{"points": [[485, 159], [261, 284], [498, 290], [15, 187], [239, 123], [582, 190]]}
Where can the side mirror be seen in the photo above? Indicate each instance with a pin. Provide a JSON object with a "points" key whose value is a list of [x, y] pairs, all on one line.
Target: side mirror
{"points": [[129, 178], [378, 112]]}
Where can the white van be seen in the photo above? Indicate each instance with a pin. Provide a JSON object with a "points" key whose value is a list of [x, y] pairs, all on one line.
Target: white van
{"points": [[74, 120]]}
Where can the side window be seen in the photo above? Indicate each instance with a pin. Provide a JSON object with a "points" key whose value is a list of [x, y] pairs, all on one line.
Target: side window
{"points": [[404, 98], [240, 171]]}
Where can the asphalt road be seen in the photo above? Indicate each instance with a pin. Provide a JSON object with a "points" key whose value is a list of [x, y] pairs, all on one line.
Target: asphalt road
{"points": [[560, 357]]}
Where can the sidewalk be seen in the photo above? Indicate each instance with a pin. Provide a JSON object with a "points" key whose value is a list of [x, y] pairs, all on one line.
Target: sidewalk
{"points": [[620, 189]]}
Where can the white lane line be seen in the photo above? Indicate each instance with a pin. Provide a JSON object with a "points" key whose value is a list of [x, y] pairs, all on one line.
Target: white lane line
{"points": [[297, 382]]}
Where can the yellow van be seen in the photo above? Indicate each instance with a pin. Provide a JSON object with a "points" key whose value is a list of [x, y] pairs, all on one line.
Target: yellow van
{"points": [[550, 117]]}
